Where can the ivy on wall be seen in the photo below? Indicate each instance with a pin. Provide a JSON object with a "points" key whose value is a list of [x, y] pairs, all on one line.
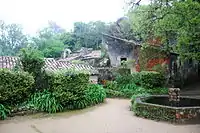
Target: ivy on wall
{"points": [[149, 56]]}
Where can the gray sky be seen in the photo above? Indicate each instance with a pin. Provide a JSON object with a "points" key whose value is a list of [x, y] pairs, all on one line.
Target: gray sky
{"points": [[34, 14]]}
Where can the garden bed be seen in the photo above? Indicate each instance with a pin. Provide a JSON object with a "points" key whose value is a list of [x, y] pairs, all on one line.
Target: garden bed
{"points": [[159, 108]]}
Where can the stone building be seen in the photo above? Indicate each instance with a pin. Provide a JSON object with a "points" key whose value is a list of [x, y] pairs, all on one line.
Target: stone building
{"points": [[120, 50]]}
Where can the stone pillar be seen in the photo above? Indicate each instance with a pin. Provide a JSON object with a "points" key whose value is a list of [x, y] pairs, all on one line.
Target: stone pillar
{"points": [[174, 94]]}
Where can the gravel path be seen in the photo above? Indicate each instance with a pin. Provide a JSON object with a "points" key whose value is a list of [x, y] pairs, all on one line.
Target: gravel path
{"points": [[112, 117]]}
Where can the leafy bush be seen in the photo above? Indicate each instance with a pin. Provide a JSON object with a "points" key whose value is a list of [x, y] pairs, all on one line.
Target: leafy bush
{"points": [[3, 112], [95, 94], [126, 79], [15, 87], [150, 79], [128, 89], [112, 85], [120, 88], [68, 87], [46, 102], [137, 83], [33, 61], [160, 68], [136, 78]]}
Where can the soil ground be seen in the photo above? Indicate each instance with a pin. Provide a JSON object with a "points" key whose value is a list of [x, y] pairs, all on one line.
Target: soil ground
{"points": [[112, 117]]}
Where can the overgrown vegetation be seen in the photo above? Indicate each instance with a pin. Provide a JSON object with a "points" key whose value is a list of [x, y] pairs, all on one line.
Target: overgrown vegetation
{"points": [[172, 24], [136, 84], [149, 53], [51, 91]]}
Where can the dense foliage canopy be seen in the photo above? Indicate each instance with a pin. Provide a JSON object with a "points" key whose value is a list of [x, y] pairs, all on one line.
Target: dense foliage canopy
{"points": [[173, 23]]}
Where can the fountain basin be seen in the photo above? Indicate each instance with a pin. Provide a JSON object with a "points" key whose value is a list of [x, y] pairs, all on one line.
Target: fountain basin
{"points": [[187, 110]]}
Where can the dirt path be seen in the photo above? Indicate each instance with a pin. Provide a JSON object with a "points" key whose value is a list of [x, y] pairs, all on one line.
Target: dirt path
{"points": [[112, 117]]}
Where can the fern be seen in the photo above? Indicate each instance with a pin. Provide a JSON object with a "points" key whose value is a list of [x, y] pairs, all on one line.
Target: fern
{"points": [[3, 112]]}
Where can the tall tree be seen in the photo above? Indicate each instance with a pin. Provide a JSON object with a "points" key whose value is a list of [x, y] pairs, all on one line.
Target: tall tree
{"points": [[12, 39], [48, 41], [175, 22], [89, 34]]}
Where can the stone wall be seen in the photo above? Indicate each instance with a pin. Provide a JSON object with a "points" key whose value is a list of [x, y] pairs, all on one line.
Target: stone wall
{"points": [[105, 74], [118, 49]]}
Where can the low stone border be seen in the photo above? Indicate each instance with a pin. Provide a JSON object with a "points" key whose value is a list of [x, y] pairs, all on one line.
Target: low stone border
{"points": [[165, 113]]}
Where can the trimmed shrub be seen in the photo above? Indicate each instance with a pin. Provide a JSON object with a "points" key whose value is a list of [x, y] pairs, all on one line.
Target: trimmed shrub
{"points": [[15, 87], [150, 79], [68, 87]]}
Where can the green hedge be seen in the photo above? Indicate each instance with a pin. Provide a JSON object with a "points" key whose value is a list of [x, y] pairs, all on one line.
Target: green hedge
{"points": [[66, 87], [15, 87], [150, 79]]}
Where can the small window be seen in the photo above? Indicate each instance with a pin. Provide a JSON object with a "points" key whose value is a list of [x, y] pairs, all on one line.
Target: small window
{"points": [[122, 60]]}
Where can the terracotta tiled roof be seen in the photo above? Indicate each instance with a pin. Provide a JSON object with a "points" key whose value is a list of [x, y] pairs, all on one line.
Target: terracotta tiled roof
{"points": [[8, 62], [50, 64], [93, 54]]}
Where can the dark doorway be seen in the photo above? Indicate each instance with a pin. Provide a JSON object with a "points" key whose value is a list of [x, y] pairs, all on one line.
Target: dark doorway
{"points": [[122, 60]]}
